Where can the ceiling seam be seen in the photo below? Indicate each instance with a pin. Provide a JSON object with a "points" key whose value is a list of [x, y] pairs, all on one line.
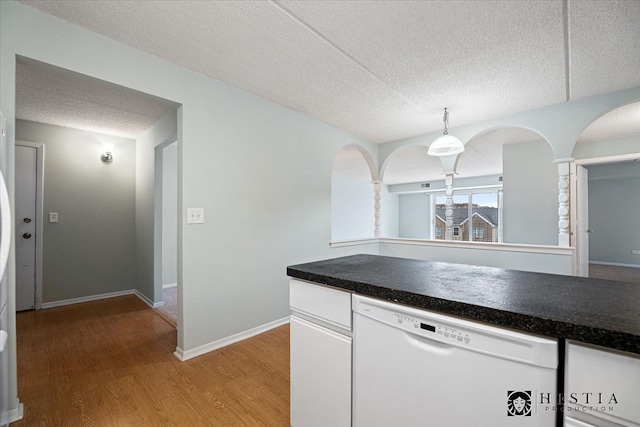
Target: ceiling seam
{"points": [[567, 48], [342, 52]]}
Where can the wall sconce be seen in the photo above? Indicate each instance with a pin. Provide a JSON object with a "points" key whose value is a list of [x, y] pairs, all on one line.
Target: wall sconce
{"points": [[446, 144], [108, 149]]}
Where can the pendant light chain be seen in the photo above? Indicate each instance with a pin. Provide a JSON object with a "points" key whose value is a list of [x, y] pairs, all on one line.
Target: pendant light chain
{"points": [[445, 119]]}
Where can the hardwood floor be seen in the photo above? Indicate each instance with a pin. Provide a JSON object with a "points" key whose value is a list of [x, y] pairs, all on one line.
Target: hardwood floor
{"points": [[110, 363], [614, 272]]}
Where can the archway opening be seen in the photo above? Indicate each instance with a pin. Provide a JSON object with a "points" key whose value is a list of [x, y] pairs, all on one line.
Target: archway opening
{"points": [[352, 195], [506, 181]]}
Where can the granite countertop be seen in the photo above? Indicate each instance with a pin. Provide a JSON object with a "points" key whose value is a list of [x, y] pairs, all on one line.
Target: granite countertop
{"points": [[600, 312]]}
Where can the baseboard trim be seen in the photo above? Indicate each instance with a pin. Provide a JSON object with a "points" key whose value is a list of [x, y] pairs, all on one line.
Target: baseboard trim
{"points": [[615, 264], [89, 298], [147, 301], [206, 348], [12, 415]]}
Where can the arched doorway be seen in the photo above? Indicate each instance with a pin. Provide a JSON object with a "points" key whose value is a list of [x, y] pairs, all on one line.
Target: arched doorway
{"points": [[352, 194]]}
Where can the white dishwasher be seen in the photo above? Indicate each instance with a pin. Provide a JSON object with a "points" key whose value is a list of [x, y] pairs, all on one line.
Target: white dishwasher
{"points": [[419, 368]]}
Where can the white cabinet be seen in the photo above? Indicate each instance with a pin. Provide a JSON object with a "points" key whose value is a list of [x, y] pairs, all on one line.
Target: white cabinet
{"points": [[320, 376], [320, 356], [602, 387]]}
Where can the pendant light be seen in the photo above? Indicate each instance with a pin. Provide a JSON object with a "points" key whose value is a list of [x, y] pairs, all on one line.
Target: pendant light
{"points": [[446, 144]]}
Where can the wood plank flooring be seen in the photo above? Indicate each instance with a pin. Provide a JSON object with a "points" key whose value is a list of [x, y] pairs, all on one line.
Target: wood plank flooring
{"points": [[614, 272], [110, 363]]}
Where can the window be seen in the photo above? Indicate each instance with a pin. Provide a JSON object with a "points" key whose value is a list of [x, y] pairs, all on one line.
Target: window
{"points": [[475, 215], [478, 233]]}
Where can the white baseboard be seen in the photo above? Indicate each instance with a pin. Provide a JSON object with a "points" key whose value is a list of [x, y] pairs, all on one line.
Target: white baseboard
{"points": [[169, 285], [206, 348], [147, 300], [87, 298], [12, 415], [103, 296], [616, 264]]}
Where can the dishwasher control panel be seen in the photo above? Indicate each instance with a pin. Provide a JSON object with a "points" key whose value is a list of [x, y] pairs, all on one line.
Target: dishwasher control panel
{"points": [[457, 332], [434, 329]]}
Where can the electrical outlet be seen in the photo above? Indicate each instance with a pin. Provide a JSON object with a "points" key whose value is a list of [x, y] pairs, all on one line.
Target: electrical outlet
{"points": [[195, 215], [635, 251], [53, 216]]}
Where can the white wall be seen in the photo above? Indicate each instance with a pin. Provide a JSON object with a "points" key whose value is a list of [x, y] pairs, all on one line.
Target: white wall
{"points": [[91, 249], [389, 213], [530, 197], [232, 269], [415, 212], [352, 201], [614, 213], [170, 214], [352, 194], [540, 259], [609, 147]]}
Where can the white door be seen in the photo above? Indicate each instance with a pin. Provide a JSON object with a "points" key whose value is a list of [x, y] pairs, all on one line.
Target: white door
{"points": [[582, 219], [25, 220]]}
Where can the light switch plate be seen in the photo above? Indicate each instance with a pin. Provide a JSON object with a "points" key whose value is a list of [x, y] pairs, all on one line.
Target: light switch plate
{"points": [[195, 215], [53, 216]]}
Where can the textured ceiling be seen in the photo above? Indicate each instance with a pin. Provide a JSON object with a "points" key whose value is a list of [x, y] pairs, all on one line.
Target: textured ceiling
{"points": [[621, 122], [55, 96], [386, 69], [383, 70]]}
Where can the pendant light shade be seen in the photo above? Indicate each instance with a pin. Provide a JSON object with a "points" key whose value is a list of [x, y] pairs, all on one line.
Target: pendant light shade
{"points": [[446, 144]]}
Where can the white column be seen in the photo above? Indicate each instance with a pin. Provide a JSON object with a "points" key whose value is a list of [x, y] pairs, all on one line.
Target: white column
{"points": [[563, 205], [448, 212], [376, 208]]}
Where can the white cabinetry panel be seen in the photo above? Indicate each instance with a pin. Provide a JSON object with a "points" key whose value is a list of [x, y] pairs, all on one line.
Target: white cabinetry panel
{"points": [[327, 304], [320, 376], [602, 387]]}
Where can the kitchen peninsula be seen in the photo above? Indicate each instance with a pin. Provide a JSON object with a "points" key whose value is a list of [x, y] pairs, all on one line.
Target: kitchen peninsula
{"points": [[592, 316]]}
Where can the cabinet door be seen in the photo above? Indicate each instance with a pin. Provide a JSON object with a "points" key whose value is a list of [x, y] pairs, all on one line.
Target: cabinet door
{"points": [[320, 376], [602, 386]]}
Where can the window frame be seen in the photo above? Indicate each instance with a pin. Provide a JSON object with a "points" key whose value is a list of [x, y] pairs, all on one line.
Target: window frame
{"points": [[469, 192]]}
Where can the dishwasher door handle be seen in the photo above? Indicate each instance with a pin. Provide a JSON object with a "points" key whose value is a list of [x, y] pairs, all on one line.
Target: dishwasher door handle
{"points": [[431, 346]]}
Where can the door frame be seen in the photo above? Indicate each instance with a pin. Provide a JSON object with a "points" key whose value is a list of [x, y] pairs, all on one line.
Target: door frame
{"points": [[575, 215], [580, 221], [39, 216], [157, 218]]}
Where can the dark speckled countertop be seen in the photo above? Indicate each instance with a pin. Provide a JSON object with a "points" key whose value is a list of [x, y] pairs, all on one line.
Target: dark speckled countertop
{"points": [[600, 312]]}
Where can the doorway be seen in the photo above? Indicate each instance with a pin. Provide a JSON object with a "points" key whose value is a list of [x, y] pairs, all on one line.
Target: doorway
{"points": [[608, 229], [29, 161], [166, 219]]}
